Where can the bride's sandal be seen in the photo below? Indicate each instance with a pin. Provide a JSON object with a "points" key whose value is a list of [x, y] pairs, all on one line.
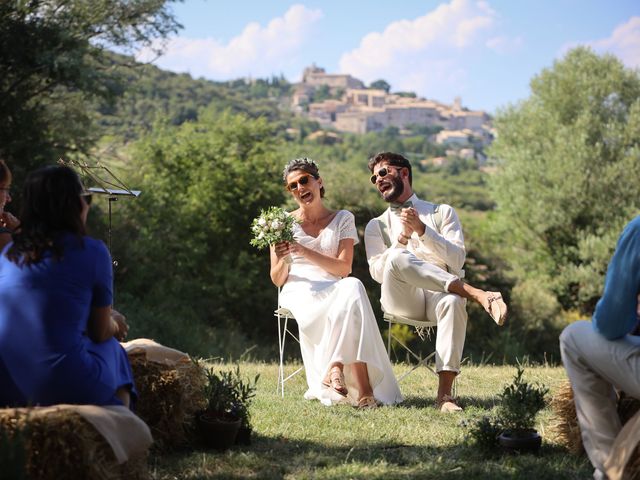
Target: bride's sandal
{"points": [[336, 382], [496, 308], [367, 402]]}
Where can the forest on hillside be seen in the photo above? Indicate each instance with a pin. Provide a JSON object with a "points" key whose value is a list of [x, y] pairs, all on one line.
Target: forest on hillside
{"points": [[208, 157]]}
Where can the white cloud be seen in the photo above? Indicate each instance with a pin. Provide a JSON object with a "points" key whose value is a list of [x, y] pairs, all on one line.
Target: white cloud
{"points": [[504, 45], [258, 51], [624, 42], [425, 55]]}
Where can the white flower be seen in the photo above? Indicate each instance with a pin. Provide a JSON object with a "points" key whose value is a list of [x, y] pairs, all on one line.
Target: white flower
{"points": [[262, 222], [277, 225], [260, 236]]}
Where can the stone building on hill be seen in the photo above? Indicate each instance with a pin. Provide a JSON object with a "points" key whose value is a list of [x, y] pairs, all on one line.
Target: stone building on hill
{"points": [[357, 109]]}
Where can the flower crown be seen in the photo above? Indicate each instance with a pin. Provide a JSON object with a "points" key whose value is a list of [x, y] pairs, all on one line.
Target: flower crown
{"points": [[299, 163]]}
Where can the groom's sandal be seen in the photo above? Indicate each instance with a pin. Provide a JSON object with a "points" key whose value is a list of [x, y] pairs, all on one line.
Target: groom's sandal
{"points": [[367, 402], [448, 404], [497, 308], [336, 382]]}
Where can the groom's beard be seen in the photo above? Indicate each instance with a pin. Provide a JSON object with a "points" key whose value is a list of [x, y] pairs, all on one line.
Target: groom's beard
{"points": [[395, 191]]}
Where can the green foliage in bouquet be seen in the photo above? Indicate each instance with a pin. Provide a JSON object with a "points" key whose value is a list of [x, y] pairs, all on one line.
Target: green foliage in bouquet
{"points": [[272, 226]]}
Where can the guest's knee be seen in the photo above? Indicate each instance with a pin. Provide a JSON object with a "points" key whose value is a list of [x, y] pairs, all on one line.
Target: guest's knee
{"points": [[573, 330]]}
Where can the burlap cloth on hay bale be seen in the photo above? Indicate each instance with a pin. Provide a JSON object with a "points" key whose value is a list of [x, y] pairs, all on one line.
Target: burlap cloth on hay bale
{"points": [[170, 387], [60, 443], [565, 424]]}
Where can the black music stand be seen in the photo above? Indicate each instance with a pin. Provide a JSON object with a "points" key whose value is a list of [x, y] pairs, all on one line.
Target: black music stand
{"points": [[106, 184]]}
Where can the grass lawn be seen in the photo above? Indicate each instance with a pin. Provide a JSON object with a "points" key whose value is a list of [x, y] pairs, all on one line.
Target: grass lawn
{"points": [[296, 439]]}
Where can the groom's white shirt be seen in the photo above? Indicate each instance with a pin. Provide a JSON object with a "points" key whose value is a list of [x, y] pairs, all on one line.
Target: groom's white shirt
{"points": [[442, 243]]}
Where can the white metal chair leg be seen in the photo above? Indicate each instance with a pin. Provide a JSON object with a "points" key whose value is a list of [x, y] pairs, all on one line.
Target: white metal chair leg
{"points": [[283, 330], [421, 361]]}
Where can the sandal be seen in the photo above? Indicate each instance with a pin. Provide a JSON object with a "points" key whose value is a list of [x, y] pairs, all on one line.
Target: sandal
{"points": [[336, 382], [448, 404], [367, 402], [496, 307]]}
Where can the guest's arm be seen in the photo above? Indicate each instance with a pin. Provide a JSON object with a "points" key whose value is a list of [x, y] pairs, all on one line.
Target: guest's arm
{"points": [[616, 312], [101, 325], [104, 323]]}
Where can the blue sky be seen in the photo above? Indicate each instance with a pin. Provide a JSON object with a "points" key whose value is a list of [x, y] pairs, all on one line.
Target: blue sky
{"points": [[486, 52]]}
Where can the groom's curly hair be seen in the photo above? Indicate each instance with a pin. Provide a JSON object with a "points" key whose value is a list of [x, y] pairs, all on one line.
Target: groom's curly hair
{"points": [[391, 158], [305, 164]]}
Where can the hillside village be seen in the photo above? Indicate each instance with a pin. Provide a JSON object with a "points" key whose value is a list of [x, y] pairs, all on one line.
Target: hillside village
{"points": [[356, 109]]}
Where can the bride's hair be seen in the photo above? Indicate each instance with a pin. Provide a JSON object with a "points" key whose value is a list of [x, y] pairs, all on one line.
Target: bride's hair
{"points": [[306, 165]]}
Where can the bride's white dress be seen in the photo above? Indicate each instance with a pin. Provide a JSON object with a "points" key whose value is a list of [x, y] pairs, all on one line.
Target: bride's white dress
{"points": [[335, 319]]}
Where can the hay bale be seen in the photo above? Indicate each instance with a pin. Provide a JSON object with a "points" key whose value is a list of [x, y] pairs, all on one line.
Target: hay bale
{"points": [[62, 444], [565, 423], [170, 396]]}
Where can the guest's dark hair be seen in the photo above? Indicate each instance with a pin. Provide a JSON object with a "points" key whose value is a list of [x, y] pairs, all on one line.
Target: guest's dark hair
{"points": [[5, 173], [51, 206], [394, 159], [306, 165]]}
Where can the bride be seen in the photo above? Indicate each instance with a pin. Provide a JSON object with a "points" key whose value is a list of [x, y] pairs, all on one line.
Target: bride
{"points": [[342, 351]]}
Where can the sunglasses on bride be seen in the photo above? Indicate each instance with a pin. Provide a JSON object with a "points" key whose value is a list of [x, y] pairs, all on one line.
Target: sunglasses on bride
{"points": [[381, 173], [303, 180]]}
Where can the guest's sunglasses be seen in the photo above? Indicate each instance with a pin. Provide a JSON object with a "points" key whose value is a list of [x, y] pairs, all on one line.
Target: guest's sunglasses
{"points": [[381, 173], [303, 180]]}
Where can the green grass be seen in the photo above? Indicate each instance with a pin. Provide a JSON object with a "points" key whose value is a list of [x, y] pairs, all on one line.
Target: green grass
{"points": [[297, 439]]}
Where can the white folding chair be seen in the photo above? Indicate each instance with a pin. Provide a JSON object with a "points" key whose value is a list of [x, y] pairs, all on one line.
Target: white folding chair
{"points": [[424, 325], [284, 315]]}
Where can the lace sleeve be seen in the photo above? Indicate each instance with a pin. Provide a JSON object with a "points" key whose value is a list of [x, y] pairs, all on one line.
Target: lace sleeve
{"points": [[347, 226]]}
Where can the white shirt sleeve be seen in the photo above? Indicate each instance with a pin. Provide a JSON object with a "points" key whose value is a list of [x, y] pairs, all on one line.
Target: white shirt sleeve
{"points": [[449, 245]]}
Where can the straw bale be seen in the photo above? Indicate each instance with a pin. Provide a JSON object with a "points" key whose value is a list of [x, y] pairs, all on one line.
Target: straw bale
{"points": [[62, 444], [170, 396], [565, 423]]}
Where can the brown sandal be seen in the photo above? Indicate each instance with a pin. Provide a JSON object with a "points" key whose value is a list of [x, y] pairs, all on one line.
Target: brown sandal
{"points": [[336, 382], [448, 404], [497, 309], [367, 402]]}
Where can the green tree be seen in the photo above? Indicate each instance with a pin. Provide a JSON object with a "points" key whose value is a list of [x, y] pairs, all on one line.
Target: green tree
{"points": [[53, 60], [568, 176], [381, 85], [190, 262]]}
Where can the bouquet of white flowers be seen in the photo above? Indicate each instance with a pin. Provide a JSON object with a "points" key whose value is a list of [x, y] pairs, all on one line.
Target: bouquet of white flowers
{"points": [[272, 226]]}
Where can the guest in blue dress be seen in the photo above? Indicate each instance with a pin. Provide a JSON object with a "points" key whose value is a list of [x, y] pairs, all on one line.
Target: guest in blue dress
{"points": [[58, 337], [8, 223]]}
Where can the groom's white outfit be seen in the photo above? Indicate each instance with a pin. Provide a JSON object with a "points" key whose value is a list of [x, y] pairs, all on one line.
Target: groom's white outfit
{"points": [[415, 277]]}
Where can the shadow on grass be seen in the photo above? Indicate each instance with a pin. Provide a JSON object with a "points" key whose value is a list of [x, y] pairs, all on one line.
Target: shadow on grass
{"points": [[280, 457], [466, 401]]}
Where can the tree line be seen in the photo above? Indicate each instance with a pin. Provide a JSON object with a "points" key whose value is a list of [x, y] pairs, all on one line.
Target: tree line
{"points": [[208, 156]]}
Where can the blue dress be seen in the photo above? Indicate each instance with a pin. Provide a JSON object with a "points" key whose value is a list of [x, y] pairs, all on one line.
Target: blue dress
{"points": [[45, 356]]}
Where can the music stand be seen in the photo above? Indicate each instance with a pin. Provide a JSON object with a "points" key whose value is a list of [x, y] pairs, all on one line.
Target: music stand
{"points": [[107, 184]]}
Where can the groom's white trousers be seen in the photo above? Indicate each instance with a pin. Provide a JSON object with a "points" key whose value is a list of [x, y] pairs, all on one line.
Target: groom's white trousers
{"points": [[416, 289]]}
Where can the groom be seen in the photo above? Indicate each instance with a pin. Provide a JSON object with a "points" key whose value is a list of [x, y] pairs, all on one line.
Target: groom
{"points": [[415, 249]]}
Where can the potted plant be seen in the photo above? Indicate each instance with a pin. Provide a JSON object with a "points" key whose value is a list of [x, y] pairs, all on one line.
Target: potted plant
{"points": [[520, 403], [245, 391], [227, 396]]}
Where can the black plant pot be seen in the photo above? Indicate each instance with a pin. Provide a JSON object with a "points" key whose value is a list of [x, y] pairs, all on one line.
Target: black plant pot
{"points": [[244, 435], [528, 441], [217, 432]]}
